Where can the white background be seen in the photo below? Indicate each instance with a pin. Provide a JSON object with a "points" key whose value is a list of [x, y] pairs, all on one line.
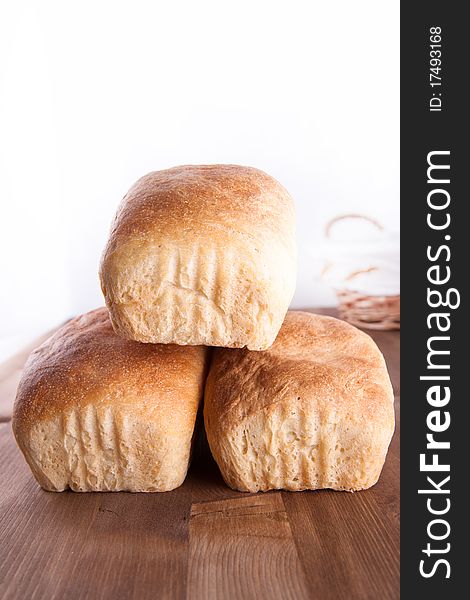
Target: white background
{"points": [[95, 94]]}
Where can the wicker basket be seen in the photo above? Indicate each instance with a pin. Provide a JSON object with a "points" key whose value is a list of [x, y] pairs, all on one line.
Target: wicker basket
{"points": [[369, 312], [362, 310]]}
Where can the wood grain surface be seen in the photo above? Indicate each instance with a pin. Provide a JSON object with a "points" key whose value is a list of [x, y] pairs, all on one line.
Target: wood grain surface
{"points": [[203, 540]]}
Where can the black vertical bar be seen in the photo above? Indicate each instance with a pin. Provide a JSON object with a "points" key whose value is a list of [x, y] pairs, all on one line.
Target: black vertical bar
{"points": [[424, 131]]}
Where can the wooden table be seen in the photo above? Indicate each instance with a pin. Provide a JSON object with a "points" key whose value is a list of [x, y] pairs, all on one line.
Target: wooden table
{"points": [[203, 540]]}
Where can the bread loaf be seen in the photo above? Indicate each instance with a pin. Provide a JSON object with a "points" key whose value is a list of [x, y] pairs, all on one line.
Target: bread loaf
{"points": [[95, 412], [313, 411], [201, 255]]}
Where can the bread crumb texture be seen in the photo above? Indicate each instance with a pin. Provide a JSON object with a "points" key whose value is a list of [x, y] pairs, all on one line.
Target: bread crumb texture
{"points": [[201, 255], [95, 412], [314, 411]]}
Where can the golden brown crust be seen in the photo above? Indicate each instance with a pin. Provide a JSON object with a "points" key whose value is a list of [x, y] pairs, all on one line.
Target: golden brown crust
{"points": [[86, 383], [323, 380], [201, 254], [189, 197]]}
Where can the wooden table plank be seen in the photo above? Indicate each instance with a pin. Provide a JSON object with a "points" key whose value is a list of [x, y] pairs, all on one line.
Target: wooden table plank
{"points": [[87, 545], [349, 543], [202, 540], [241, 547]]}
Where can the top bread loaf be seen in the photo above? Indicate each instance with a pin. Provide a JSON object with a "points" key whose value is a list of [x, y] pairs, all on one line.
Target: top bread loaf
{"points": [[201, 255]]}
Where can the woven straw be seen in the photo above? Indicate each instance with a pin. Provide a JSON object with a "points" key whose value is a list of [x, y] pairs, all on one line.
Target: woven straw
{"points": [[369, 312]]}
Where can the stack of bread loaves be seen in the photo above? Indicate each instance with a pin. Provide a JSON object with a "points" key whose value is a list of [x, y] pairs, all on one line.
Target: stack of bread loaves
{"points": [[204, 256]]}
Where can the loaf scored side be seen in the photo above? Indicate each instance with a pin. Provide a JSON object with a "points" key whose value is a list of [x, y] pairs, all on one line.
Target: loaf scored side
{"points": [[201, 255], [314, 411], [95, 412]]}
